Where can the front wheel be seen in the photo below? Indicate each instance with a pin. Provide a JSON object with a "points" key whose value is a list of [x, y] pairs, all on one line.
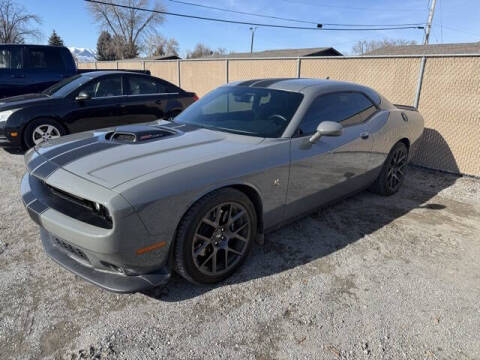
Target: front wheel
{"points": [[42, 130], [215, 236], [393, 171]]}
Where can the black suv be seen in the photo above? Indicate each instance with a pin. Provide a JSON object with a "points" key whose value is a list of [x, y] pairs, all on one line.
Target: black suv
{"points": [[33, 68]]}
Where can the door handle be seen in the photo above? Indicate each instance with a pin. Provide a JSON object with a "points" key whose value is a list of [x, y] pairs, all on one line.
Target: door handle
{"points": [[364, 135], [17, 76]]}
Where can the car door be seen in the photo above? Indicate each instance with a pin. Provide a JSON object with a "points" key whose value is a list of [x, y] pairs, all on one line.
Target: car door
{"points": [[101, 108], [12, 76], [334, 166], [148, 99]]}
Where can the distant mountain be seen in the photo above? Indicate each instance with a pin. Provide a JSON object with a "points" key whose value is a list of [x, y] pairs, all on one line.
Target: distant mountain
{"points": [[82, 54]]}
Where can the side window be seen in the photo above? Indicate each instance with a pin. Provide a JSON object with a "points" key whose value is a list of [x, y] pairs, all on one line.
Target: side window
{"points": [[11, 58], [44, 59], [104, 87], [346, 108], [139, 85]]}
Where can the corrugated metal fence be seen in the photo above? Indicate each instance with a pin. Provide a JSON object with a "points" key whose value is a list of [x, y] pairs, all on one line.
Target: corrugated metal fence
{"points": [[445, 88]]}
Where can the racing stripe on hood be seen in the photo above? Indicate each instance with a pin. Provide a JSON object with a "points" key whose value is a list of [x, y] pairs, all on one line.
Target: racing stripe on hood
{"points": [[49, 167], [50, 154]]}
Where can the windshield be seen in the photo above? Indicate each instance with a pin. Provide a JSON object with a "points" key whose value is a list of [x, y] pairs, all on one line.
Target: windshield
{"points": [[66, 86], [244, 110]]}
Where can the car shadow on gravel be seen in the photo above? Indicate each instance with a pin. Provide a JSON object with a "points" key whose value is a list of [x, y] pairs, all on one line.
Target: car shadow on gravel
{"points": [[328, 230]]}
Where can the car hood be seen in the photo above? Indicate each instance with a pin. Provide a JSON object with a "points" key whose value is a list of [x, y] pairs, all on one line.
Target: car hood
{"points": [[109, 162], [22, 100]]}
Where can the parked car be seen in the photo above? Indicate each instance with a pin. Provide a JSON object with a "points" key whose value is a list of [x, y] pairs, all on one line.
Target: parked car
{"points": [[88, 101], [123, 208], [33, 68]]}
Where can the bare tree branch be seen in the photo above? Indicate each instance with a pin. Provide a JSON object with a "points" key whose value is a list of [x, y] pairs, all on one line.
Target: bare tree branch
{"points": [[16, 25], [127, 24]]}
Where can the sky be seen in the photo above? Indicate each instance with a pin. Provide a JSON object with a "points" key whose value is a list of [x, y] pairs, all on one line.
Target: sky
{"points": [[454, 21]]}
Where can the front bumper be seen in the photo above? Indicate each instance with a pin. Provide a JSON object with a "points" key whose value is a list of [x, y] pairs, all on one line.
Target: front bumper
{"points": [[105, 257], [72, 259], [7, 142]]}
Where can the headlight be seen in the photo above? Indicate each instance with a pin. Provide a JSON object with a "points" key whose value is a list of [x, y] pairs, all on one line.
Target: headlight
{"points": [[4, 115]]}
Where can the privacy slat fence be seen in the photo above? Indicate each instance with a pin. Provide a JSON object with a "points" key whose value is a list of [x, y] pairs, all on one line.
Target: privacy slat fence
{"points": [[448, 96]]}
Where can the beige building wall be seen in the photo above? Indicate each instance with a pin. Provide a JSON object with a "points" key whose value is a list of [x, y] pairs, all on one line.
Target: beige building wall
{"points": [[130, 65], [202, 76], [107, 65], [450, 105], [90, 65], [255, 69], [395, 78], [167, 70]]}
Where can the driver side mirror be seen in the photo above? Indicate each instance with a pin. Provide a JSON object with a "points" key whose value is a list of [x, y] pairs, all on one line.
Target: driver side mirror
{"points": [[82, 96], [327, 128]]}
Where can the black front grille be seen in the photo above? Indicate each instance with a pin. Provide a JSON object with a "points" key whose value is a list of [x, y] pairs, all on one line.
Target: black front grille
{"points": [[76, 207], [71, 249]]}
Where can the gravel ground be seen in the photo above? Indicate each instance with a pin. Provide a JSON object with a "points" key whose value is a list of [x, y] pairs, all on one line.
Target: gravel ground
{"points": [[369, 278]]}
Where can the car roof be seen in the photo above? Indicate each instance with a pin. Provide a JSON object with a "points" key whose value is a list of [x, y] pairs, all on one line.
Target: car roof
{"points": [[34, 45], [95, 74], [308, 85], [296, 84]]}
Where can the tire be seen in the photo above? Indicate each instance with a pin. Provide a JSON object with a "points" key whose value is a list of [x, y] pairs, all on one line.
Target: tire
{"points": [[206, 248], [393, 171], [51, 128]]}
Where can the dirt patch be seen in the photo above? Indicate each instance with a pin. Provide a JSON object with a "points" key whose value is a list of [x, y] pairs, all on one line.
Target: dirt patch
{"points": [[370, 277]]}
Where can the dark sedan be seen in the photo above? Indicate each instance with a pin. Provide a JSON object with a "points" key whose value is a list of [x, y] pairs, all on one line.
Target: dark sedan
{"points": [[88, 101]]}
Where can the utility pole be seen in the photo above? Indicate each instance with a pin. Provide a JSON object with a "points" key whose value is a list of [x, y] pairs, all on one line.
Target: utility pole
{"points": [[252, 29], [429, 22]]}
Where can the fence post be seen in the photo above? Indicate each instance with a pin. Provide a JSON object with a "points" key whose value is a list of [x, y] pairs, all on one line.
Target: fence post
{"points": [[117, 64], [420, 81], [226, 70], [178, 73], [96, 62], [143, 65], [298, 66]]}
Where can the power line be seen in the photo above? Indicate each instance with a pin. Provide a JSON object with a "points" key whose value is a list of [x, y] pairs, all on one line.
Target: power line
{"points": [[460, 31], [283, 18], [252, 23], [352, 7]]}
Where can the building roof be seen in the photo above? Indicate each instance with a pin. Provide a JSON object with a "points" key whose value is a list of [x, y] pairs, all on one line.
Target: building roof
{"points": [[431, 49], [325, 51]]}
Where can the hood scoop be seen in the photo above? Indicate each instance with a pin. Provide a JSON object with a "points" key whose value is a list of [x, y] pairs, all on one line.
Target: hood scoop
{"points": [[134, 134]]}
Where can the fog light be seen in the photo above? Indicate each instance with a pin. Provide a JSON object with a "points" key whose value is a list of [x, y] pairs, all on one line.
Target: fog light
{"points": [[14, 134]]}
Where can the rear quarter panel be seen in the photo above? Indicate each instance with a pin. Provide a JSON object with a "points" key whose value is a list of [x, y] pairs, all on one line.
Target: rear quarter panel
{"points": [[391, 129]]}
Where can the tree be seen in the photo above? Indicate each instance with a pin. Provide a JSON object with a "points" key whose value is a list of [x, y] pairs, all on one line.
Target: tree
{"points": [[105, 49], [55, 40], [128, 26], [157, 45], [202, 50], [16, 24], [363, 47]]}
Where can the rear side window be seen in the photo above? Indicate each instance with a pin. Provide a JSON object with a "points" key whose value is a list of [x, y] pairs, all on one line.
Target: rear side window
{"points": [[142, 85], [104, 87], [11, 58], [44, 59], [347, 108]]}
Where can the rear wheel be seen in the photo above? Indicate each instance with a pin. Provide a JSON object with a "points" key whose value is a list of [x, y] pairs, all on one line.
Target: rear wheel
{"points": [[215, 236], [393, 171], [42, 130]]}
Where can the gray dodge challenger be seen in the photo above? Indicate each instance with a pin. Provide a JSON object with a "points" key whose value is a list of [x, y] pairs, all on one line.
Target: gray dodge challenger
{"points": [[124, 207]]}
